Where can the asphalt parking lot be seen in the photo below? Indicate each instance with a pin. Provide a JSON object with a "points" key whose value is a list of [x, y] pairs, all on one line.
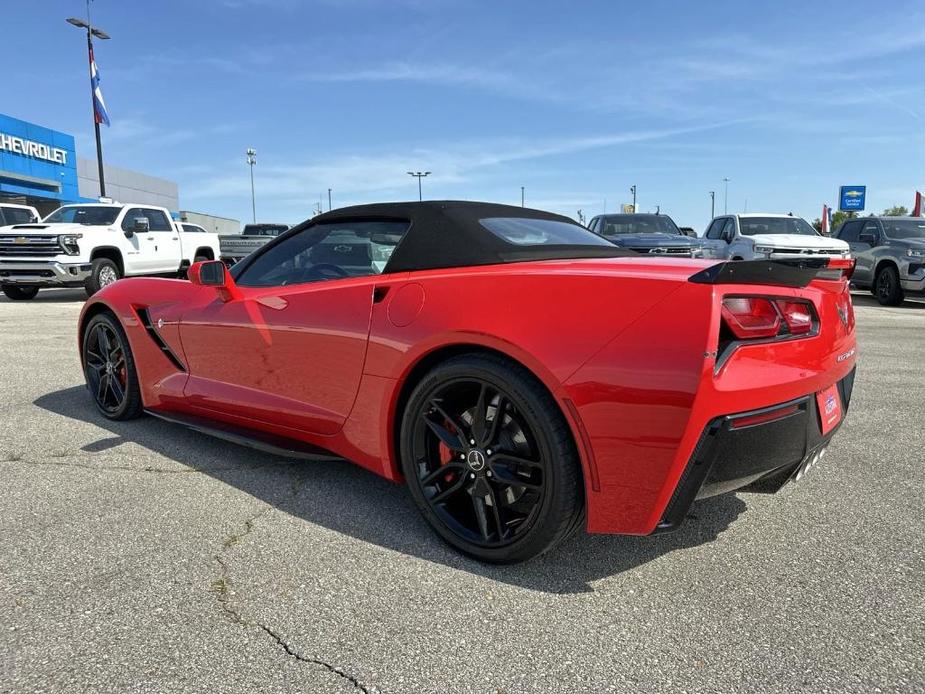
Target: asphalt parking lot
{"points": [[146, 558]]}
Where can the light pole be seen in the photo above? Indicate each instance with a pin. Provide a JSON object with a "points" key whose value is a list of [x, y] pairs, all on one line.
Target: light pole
{"points": [[329, 199], [725, 196], [633, 191], [251, 160], [419, 175], [522, 196], [712, 204], [100, 34]]}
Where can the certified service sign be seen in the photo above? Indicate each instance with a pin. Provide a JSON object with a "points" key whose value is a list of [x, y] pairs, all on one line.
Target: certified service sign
{"points": [[851, 198]]}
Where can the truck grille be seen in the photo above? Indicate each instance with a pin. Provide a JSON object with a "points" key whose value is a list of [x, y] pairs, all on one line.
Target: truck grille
{"points": [[12, 246], [807, 251], [666, 250]]}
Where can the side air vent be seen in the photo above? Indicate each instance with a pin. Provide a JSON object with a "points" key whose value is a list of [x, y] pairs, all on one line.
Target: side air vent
{"points": [[145, 318]]}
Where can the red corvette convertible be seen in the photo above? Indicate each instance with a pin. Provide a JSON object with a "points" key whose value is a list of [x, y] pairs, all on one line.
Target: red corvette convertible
{"points": [[521, 374]]}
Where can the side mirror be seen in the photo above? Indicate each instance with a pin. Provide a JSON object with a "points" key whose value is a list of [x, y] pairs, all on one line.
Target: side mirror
{"points": [[213, 273], [869, 239]]}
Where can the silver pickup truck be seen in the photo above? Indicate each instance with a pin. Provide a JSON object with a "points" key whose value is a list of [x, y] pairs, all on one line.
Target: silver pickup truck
{"points": [[252, 237]]}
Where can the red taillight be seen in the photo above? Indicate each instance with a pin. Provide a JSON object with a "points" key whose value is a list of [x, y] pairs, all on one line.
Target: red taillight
{"points": [[846, 265], [756, 317], [751, 317], [798, 315]]}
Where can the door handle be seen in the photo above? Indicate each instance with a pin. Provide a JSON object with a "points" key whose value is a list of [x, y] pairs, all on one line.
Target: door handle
{"points": [[150, 238], [175, 238]]}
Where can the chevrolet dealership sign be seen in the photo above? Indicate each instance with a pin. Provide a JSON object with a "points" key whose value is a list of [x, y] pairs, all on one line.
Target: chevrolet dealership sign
{"points": [[28, 148]]}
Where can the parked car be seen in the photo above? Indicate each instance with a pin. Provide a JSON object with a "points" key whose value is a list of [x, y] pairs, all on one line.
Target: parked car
{"points": [[761, 235], [483, 364], [252, 237], [890, 254], [17, 214], [688, 231], [94, 245], [655, 234]]}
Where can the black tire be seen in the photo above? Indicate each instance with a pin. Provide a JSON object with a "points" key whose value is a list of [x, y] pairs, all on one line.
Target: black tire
{"points": [[109, 368], [15, 293], [525, 495], [102, 275], [887, 288]]}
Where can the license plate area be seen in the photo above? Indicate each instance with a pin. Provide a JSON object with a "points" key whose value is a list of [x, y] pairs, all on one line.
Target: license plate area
{"points": [[828, 403]]}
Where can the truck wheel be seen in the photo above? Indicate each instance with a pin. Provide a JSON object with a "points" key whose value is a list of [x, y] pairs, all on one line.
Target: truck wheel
{"points": [[105, 272], [19, 293], [887, 288]]}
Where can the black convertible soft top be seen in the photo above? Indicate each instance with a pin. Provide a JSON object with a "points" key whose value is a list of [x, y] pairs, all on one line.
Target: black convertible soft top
{"points": [[448, 233]]}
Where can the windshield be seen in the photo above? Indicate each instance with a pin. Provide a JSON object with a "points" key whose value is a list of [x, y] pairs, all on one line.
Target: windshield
{"points": [[96, 215], [264, 229], [541, 232], [775, 225], [638, 224], [904, 228]]}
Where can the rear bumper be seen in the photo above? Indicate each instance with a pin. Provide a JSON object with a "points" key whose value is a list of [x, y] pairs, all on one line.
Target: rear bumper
{"points": [[43, 273], [758, 458]]}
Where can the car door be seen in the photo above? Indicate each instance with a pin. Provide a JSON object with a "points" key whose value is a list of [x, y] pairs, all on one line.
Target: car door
{"points": [[139, 248], [289, 351], [714, 245], [869, 238], [166, 241]]}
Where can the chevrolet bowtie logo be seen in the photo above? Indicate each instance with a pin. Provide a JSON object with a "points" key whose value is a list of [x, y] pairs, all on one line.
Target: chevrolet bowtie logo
{"points": [[853, 193], [20, 239]]}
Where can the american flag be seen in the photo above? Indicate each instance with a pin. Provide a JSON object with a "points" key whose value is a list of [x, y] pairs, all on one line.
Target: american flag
{"points": [[99, 106], [826, 220], [917, 208]]}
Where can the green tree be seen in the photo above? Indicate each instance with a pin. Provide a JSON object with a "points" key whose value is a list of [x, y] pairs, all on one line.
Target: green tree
{"points": [[896, 211]]}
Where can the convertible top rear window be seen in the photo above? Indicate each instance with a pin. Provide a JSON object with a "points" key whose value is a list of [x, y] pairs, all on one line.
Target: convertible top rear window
{"points": [[541, 232]]}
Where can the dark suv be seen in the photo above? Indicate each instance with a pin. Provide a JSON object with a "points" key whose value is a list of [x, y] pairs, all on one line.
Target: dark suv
{"points": [[656, 234], [890, 255]]}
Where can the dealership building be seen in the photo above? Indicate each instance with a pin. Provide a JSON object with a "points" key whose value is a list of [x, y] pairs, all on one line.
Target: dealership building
{"points": [[40, 167]]}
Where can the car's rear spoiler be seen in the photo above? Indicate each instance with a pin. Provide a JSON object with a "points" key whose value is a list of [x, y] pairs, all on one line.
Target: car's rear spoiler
{"points": [[781, 273]]}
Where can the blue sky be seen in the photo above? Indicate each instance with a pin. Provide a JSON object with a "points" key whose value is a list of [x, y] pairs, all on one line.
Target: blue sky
{"points": [[576, 101]]}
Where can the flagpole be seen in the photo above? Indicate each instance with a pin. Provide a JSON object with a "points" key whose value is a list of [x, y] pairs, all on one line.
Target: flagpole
{"points": [[96, 121], [99, 114]]}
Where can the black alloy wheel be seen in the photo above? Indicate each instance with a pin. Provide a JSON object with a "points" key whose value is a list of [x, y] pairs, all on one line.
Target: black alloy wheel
{"points": [[887, 287], [110, 369], [490, 461]]}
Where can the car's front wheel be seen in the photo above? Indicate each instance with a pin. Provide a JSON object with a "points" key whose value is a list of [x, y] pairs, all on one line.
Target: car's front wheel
{"points": [[490, 460], [15, 293], [109, 368], [887, 288], [104, 272]]}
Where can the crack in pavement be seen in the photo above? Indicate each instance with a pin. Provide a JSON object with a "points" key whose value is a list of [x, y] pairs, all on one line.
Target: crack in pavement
{"points": [[221, 588]]}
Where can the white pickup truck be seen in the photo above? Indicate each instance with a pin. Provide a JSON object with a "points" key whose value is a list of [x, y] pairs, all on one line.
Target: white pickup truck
{"points": [[93, 245], [775, 236], [17, 214]]}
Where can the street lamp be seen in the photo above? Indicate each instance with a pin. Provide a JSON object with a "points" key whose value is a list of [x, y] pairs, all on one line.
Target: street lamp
{"points": [[712, 204], [251, 160], [102, 35], [419, 175], [725, 196], [633, 191]]}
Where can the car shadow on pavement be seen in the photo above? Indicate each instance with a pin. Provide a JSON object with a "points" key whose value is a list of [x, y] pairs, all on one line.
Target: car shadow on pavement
{"points": [[51, 296], [869, 300], [349, 500]]}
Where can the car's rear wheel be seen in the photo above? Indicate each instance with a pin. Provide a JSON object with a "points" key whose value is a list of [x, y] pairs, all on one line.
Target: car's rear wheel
{"points": [[15, 293], [490, 460], [887, 288], [110, 368]]}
